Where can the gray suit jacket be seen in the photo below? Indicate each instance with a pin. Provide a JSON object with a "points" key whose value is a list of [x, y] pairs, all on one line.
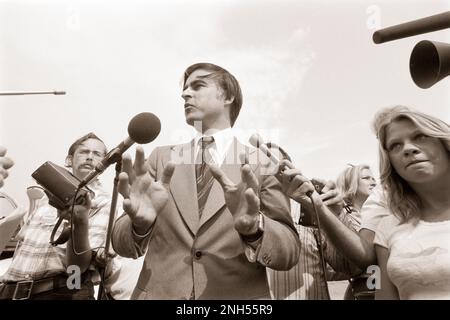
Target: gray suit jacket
{"points": [[204, 258]]}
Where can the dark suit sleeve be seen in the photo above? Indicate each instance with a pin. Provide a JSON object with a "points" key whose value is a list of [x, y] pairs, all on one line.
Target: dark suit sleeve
{"points": [[280, 246], [124, 240]]}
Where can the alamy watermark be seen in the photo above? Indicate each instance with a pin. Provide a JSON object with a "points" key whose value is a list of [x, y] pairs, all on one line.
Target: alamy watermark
{"points": [[374, 280], [73, 281]]}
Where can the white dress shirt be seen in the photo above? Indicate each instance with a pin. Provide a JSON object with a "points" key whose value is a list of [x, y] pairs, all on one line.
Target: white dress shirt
{"points": [[219, 148]]}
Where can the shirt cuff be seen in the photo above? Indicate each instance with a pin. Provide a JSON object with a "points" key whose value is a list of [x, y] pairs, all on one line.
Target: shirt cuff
{"points": [[138, 237], [252, 253], [252, 247]]}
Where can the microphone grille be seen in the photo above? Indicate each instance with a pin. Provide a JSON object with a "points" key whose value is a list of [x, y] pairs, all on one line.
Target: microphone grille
{"points": [[144, 127], [256, 140]]}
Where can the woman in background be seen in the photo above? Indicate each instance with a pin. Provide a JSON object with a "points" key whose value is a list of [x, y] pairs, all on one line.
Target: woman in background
{"points": [[355, 184]]}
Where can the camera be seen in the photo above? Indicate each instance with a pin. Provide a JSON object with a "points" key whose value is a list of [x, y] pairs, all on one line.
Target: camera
{"points": [[60, 186]]}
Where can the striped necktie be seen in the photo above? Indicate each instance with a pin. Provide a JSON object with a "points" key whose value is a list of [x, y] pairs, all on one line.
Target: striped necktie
{"points": [[203, 174]]}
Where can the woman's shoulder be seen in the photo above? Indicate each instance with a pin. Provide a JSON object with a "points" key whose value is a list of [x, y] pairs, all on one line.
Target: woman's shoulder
{"points": [[388, 225]]}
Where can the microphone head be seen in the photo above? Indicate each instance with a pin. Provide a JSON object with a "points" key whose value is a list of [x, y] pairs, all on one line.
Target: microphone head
{"points": [[256, 140], [144, 127]]}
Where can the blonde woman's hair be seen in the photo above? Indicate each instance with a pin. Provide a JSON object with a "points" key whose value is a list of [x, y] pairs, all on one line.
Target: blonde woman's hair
{"points": [[402, 200], [348, 180]]}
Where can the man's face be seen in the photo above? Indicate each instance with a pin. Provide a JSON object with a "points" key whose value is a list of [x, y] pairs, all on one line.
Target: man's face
{"points": [[205, 102], [88, 154]]}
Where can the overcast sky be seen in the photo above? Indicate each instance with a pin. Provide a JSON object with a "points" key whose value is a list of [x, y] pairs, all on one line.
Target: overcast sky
{"points": [[311, 76]]}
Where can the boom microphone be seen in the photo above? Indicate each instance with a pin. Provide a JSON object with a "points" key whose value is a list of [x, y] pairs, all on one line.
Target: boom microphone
{"points": [[22, 93], [413, 28], [143, 128]]}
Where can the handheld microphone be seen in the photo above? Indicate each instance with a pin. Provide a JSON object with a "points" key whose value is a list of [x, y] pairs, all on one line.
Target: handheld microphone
{"points": [[413, 28], [143, 128], [257, 141]]}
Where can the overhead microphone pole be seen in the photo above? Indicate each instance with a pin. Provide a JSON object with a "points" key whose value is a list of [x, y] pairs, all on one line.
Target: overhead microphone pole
{"points": [[429, 62], [22, 93], [412, 28]]}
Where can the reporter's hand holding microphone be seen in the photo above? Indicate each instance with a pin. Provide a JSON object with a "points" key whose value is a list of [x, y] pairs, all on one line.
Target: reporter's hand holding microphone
{"points": [[304, 191], [295, 185], [299, 188]]}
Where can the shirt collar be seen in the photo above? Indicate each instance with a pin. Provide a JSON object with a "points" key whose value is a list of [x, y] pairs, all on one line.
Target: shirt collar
{"points": [[222, 142]]}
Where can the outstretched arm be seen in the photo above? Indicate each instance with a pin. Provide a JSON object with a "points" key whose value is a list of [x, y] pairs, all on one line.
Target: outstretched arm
{"points": [[358, 248], [78, 250]]}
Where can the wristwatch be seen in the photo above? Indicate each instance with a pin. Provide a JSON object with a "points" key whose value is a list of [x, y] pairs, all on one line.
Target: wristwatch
{"points": [[258, 234]]}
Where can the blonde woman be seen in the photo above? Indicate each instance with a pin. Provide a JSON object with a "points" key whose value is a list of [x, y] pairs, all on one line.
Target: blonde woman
{"points": [[355, 184], [413, 243]]}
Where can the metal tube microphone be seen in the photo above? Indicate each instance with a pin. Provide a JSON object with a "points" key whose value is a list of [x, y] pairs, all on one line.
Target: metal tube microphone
{"points": [[31, 92], [413, 28]]}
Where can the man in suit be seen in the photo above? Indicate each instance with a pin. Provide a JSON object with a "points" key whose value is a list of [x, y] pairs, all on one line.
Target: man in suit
{"points": [[211, 218]]}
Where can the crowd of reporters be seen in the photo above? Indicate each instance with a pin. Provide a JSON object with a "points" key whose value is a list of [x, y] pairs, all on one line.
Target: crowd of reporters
{"points": [[250, 235]]}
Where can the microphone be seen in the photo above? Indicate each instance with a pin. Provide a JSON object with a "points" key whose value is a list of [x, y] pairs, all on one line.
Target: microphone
{"points": [[57, 93], [413, 28], [143, 128], [257, 141]]}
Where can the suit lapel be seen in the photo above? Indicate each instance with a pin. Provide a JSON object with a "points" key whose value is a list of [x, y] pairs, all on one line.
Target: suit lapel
{"points": [[183, 185]]}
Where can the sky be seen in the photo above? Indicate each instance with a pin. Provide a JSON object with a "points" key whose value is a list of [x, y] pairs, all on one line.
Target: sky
{"points": [[311, 77]]}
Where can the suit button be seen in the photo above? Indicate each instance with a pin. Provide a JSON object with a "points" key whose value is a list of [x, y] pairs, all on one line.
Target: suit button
{"points": [[198, 254]]}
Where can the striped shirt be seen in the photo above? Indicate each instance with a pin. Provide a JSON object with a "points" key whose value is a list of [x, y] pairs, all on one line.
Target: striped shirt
{"points": [[305, 280], [35, 258]]}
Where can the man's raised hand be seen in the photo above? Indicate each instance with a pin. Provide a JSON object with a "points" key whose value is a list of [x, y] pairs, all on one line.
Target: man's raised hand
{"points": [[143, 197], [241, 199]]}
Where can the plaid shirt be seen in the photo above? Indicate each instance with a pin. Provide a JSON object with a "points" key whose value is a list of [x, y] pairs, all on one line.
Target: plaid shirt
{"points": [[35, 258]]}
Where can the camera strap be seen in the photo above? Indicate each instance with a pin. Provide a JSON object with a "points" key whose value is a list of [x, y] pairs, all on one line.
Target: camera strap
{"points": [[63, 237]]}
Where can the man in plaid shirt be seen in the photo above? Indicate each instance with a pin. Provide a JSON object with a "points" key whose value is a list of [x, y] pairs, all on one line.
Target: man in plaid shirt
{"points": [[39, 270]]}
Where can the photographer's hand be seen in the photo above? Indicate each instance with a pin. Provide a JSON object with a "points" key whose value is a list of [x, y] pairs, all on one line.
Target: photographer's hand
{"points": [[78, 249]]}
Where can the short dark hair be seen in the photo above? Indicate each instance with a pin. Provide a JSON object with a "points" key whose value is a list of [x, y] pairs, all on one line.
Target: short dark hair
{"points": [[227, 83], [79, 141]]}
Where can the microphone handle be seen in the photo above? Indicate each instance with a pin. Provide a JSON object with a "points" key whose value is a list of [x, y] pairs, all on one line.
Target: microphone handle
{"points": [[91, 176], [113, 156], [271, 156]]}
